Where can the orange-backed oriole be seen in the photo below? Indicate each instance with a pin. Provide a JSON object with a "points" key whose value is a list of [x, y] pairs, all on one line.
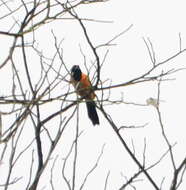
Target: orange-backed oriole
{"points": [[83, 87]]}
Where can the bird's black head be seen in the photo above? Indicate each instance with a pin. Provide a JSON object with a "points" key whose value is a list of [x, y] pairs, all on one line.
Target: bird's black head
{"points": [[76, 72]]}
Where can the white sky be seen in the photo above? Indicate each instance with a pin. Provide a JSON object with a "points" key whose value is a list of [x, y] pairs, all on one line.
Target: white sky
{"points": [[161, 21]]}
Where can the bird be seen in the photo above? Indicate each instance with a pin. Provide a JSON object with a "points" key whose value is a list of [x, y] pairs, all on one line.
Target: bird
{"points": [[84, 89]]}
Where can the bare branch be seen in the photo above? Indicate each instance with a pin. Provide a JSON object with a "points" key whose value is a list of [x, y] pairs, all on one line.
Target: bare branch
{"points": [[114, 127], [106, 181], [51, 173], [92, 169], [109, 43]]}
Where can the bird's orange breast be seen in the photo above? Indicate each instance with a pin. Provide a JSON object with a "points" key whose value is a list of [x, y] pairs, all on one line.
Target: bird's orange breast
{"points": [[85, 87]]}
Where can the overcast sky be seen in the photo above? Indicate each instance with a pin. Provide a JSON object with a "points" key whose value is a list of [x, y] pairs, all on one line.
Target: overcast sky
{"points": [[162, 21]]}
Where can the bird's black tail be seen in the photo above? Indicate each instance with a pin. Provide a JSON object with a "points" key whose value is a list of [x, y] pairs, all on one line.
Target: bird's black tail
{"points": [[92, 113]]}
